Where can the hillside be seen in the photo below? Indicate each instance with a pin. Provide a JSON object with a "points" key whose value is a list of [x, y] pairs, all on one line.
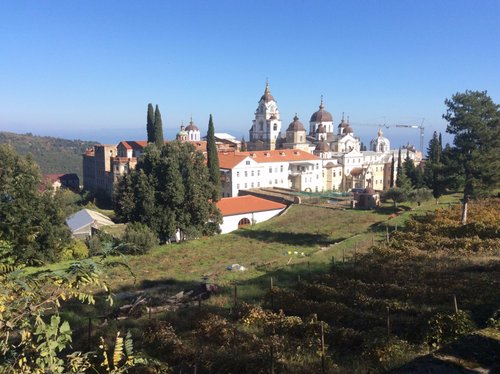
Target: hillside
{"points": [[53, 155], [389, 303]]}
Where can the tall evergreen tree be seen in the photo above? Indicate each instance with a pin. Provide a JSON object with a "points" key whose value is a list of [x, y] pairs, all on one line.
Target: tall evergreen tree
{"points": [[392, 170], [412, 172], [402, 180], [243, 146], [150, 124], [171, 190], [434, 172], [213, 161], [474, 119], [158, 129]]}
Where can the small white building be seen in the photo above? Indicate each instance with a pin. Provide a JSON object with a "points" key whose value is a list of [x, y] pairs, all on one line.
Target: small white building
{"points": [[246, 210], [84, 221]]}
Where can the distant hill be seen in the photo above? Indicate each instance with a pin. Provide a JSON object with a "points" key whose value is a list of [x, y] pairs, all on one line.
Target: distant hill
{"points": [[54, 155]]}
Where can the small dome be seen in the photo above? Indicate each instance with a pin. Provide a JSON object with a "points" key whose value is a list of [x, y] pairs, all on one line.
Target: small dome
{"points": [[182, 132], [348, 130], [321, 115], [192, 126], [323, 147], [321, 129], [343, 124], [296, 125]]}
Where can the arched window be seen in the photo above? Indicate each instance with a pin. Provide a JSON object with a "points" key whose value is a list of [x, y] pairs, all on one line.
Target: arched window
{"points": [[275, 127], [261, 123], [243, 222]]}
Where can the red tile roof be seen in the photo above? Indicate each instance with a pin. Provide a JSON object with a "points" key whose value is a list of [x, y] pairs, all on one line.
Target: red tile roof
{"points": [[246, 204], [51, 178], [230, 160], [281, 155]]}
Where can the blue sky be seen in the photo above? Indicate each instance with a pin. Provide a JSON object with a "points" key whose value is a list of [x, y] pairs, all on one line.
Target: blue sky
{"points": [[88, 69]]}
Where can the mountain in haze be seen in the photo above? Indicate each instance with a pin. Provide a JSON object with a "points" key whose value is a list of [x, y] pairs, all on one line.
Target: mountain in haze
{"points": [[53, 155]]}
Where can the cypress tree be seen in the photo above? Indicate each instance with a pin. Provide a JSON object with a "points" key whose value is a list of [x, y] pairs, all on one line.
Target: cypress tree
{"points": [[392, 170], [402, 180], [213, 161], [150, 124], [158, 129], [243, 146]]}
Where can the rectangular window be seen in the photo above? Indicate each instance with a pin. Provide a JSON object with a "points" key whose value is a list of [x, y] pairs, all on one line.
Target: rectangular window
{"points": [[246, 173], [247, 163], [270, 170], [275, 181], [252, 184], [252, 173], [238, 186], [270, 183], [281, 168], [258, 184], [246, 185], [237, 173], [258, 173]]}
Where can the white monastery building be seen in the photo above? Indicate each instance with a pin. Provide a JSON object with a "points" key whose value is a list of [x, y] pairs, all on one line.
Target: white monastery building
{"points": [[286, 168]]}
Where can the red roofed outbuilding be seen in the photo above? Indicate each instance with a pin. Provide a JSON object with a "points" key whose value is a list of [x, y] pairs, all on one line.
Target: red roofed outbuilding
{"points": [[241, 211]]}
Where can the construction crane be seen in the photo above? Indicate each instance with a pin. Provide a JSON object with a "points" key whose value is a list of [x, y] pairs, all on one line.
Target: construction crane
{"points": [[421, 128]]}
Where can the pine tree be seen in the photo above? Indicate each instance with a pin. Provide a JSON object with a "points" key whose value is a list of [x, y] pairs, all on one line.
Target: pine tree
{"points": [[150, 124], [213, 161], [158, 129], [474, 120]]}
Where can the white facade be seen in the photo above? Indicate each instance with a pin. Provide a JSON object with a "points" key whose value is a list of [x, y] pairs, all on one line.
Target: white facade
{"points": [[246, 210], [289, 168], [231, 222]]}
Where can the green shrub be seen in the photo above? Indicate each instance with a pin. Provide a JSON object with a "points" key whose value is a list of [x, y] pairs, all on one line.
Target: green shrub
{"points": [[445, 328], [76, 250], [138, 239]]}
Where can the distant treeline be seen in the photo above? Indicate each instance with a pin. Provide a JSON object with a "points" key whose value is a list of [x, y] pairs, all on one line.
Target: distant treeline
{"points": [[53, 155]]}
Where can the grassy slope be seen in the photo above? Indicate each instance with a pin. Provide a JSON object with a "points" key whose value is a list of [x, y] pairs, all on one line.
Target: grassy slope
{"points": [[319, 233]]}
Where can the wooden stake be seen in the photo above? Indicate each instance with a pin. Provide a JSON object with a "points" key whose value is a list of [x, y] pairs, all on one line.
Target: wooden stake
{"points": [[455, 302], [387, 233], [235, 295], [343, 255], [322, 349], [388, 323], [298, 278], [89, 333]]}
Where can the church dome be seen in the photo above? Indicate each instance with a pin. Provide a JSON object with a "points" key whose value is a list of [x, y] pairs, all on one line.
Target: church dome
{"points": [[323, 147], [182, 133], [348, 130], [321, 129], [380, 143], [267, 95], [192, 126], [296, 125], [321, 115]]}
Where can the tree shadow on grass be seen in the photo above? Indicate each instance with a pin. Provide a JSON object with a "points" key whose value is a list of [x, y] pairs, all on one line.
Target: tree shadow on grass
{"points": [[296, 239]]}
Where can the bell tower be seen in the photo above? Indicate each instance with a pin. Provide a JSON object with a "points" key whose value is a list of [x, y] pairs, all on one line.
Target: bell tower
{"points": [[266, 127]]}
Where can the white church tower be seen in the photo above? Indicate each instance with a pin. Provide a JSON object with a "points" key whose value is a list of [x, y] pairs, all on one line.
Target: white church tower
{"points": [[266, 127]]}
